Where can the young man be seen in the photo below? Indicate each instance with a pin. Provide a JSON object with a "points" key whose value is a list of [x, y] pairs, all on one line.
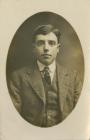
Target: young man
{"points": [[45, 93]]}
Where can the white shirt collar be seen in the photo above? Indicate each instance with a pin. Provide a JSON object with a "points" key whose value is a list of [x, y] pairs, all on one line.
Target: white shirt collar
{"points": [[52, 68]]}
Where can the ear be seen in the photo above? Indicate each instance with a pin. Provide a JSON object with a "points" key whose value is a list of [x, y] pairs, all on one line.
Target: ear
{"points": [[59, 45]]}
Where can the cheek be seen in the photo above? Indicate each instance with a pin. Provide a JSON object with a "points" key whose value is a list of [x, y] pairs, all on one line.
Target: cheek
{"points": [[55, 51], [37, 52]]}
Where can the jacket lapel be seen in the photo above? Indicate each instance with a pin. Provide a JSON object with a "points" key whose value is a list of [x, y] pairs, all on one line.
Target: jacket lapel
{"points": [[62, 80], [36, 82]]}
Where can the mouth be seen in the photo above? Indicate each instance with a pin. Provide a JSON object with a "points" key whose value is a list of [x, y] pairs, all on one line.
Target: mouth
{"points": [[46, 55]]}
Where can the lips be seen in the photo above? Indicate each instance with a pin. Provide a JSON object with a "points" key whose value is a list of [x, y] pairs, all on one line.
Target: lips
{"points": [[46, 55]]}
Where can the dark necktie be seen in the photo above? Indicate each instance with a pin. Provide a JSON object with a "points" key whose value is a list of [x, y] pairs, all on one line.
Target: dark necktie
{"points": [[47, 75]]}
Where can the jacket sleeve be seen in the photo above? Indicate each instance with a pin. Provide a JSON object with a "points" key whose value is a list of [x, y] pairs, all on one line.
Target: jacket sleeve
{"points": [[15, 91]]}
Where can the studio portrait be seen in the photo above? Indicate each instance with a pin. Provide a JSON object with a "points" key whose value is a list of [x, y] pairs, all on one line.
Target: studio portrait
{"points": [[45, 69]]}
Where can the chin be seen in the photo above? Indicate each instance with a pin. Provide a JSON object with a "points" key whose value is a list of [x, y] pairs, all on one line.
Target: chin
{"points": [[46, 62]]}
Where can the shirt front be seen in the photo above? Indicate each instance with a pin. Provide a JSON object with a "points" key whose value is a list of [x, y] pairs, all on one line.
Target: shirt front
{"points": [[52, 68]]}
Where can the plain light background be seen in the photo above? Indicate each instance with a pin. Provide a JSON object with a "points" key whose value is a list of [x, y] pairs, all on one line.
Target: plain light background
{"points": [[12, 14]]}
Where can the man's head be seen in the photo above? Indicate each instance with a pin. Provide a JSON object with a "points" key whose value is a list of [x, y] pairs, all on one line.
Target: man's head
{"points": [[46, 41]]}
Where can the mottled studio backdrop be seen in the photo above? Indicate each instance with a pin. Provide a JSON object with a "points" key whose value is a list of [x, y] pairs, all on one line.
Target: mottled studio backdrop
{"points": [[20, 53]]}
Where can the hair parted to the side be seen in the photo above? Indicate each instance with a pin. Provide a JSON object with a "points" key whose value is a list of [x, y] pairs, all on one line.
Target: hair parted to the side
{"points": [[46, 29]]}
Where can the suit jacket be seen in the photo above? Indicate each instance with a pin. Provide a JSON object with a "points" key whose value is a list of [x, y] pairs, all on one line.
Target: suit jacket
{"points": [[28, 95]]}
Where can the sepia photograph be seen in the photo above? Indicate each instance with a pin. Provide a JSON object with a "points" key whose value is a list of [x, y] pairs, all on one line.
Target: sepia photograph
{"points": [[45, 69]]}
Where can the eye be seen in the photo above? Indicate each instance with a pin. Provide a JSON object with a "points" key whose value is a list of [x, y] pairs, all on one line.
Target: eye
{"points": [[40, 42], [52, 42]]}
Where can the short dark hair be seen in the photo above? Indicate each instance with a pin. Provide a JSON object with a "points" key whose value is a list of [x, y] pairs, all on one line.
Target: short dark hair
{"points": [[45, 29]]}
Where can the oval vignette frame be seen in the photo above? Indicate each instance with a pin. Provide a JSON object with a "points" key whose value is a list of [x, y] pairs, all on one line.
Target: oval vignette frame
{"points": [[20, 50]]}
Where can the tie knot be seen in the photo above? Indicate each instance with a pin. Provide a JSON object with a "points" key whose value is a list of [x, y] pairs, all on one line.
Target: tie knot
{"points": [[47, 75], [46, 68]]}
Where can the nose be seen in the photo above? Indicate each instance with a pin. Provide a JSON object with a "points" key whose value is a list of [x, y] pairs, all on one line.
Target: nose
{"points": [[46, 46]]}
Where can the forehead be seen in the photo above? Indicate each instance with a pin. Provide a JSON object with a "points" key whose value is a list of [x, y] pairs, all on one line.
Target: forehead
{"points": [[49, 36]]}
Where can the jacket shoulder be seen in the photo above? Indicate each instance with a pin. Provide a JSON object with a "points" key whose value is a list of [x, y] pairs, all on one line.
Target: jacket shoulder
{"points": [[20, 74], [22, 71], [66, 71]]}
